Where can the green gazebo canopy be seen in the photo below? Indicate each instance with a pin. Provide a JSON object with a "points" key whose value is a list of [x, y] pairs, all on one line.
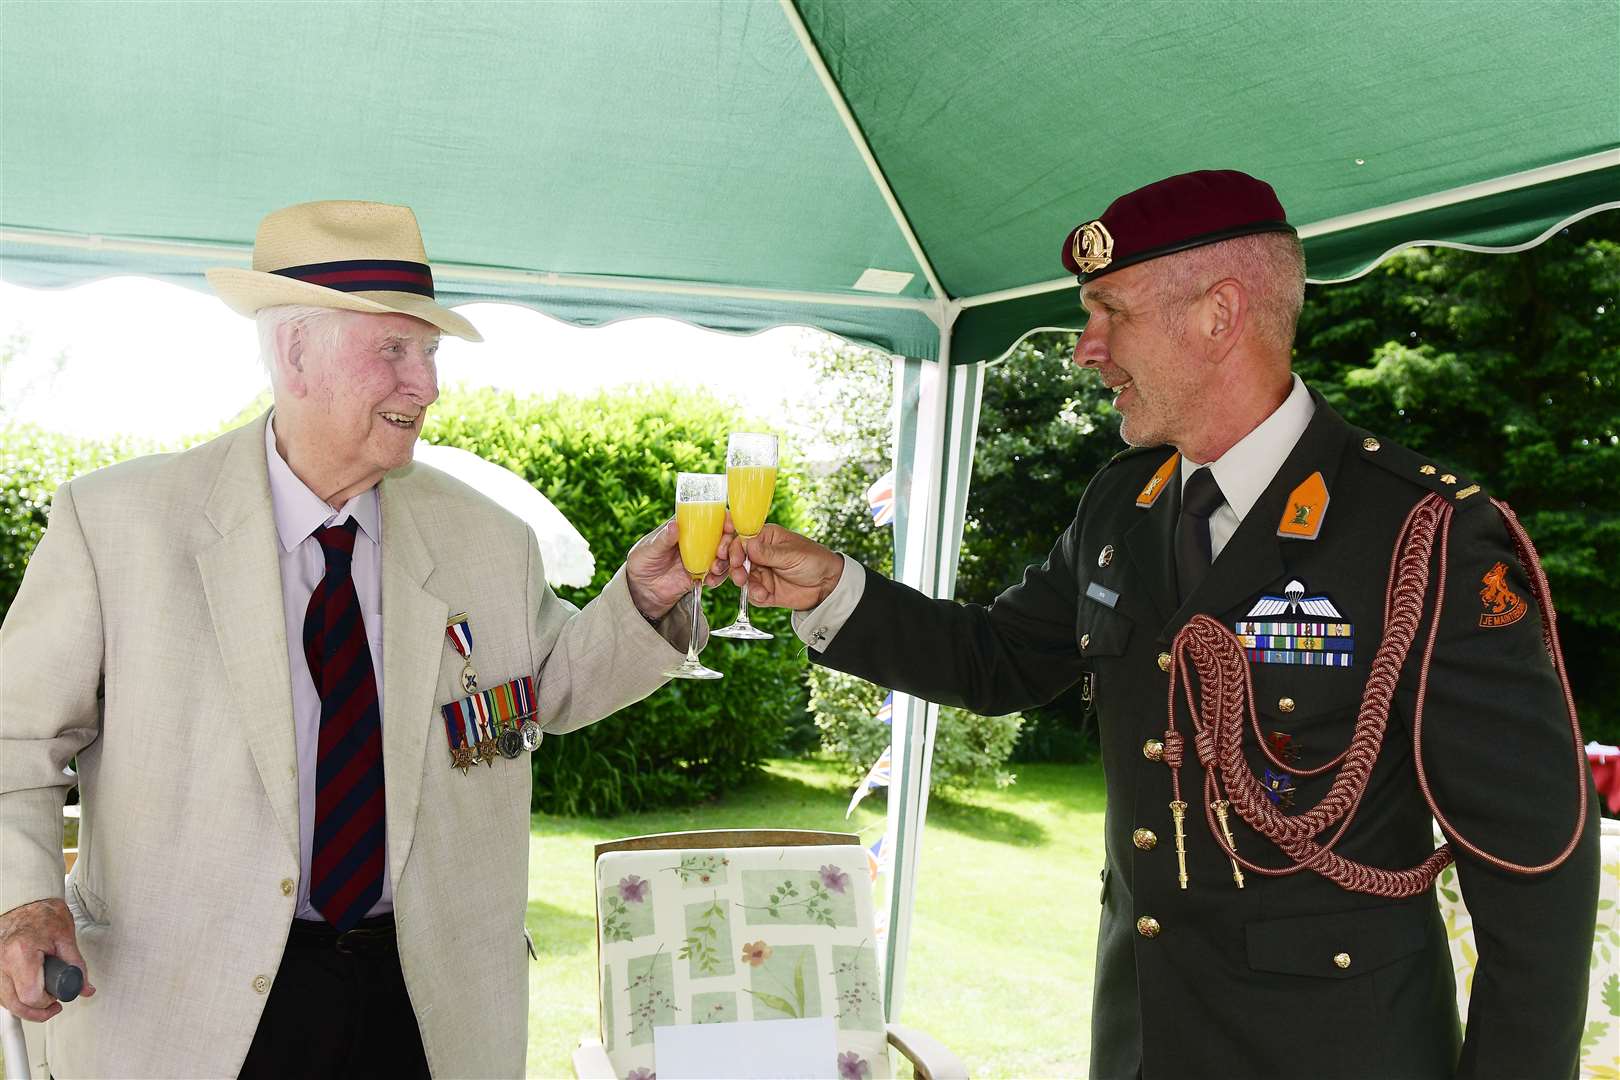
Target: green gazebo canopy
{"points": [[742, 164]]}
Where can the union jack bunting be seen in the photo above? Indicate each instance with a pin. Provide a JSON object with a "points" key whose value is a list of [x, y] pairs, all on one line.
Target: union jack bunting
{"points": [[877, 776], [880, 497], [886, 712]]}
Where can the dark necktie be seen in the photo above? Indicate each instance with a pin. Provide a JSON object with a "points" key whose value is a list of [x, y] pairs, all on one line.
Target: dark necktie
{"points": [[1199, 499], [346, 865]]}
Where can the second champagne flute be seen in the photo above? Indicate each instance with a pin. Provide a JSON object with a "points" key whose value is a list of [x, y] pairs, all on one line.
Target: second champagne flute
{"points": [[700, 514], [750, 483]]}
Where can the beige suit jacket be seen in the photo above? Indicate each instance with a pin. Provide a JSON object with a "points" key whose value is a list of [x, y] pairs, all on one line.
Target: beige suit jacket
{"points": [[148, 641]]}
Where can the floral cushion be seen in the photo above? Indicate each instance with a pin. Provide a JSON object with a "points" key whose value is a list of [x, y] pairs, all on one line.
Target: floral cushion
{"points": [[1600, 1045], [765, 933]]}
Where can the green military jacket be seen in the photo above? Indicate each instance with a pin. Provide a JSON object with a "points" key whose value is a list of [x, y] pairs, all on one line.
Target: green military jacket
{"points": [[1294, 976]]}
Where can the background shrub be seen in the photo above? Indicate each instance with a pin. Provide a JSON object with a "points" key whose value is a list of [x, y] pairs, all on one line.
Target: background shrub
{"points": [[853, 419], [33, 464], [609, 462], [969, 750]]}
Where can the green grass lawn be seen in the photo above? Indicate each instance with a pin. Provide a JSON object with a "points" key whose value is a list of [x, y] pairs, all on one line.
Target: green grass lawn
{"points": [[1005, 933]]}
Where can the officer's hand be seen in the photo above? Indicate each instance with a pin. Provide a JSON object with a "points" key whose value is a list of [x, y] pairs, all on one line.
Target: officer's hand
{"points": [[654, 572], [785, 569], [27, 935]]}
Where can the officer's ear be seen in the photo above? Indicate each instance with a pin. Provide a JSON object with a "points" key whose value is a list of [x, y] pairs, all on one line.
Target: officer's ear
{"points": [[1223, 313]]}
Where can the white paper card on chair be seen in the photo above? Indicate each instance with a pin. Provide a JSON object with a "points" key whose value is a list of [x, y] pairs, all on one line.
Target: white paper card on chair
{"points": [[748, 1050]]}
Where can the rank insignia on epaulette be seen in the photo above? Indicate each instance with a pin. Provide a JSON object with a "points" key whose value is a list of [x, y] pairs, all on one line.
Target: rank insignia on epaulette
{"points": [[1158, 482], [1306, 507], [1311, 631]]}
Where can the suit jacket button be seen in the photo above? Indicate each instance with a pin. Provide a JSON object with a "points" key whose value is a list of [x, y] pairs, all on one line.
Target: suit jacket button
{"points": [[1153, 750], [1144, 839], [1164, 661], [286, 886], [261, 984], [1147, 926], [1341, 960]]}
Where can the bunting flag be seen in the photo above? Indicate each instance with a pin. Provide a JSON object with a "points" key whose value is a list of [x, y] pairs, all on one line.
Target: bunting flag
{"points": [[876, 777], [886, 713], [880, 497], [876, 863]]}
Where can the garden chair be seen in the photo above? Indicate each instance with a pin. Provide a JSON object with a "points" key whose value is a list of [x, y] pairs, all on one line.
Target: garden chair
{"points": [[741, 925], [1600, 1051]]}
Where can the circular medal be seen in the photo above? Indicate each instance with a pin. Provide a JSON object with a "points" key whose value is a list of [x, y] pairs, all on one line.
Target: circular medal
{"points": [[469, 678], [531, 735], [511, 743]]}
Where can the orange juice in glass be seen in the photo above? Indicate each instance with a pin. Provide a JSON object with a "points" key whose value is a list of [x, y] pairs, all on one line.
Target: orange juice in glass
{"points": [[700, 515], [750, 483]]}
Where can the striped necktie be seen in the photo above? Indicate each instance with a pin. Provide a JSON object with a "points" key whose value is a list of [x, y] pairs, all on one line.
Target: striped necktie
{"points": [[346, 865]]}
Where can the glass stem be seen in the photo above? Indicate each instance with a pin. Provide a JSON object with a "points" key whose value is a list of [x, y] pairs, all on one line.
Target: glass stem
{"points": [[697, 607], [742, 605]]}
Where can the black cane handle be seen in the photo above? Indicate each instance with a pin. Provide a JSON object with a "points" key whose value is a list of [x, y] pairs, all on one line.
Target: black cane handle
{"points": [[63, 980]]}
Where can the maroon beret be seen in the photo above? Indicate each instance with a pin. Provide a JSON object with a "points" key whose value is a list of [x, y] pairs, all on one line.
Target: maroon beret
{"points": [[1174, 214]]}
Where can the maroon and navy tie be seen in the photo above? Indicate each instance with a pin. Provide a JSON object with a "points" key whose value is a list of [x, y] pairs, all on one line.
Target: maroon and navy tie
{"points": [[346, 866]]}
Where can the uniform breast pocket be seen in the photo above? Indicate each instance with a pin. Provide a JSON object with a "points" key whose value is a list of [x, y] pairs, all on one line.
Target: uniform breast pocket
{"points": [[1102, 636]]}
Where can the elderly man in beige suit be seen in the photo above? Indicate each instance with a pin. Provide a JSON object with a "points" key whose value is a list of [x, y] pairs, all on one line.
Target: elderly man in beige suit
{"points": [[268, 655]]}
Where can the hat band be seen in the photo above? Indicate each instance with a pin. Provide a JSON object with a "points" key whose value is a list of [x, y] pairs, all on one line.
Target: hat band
{"points": [[366, 275], [1121, 262]]}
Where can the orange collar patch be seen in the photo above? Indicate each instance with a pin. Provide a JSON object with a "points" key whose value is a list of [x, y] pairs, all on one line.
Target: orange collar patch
{"points": [[1305, 510], [1159, 481], [1502, 605]]}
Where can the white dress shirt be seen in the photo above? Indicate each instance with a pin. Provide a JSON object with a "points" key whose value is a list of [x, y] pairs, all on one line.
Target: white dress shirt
{"points": [[1242, 473], [1245, 471], [299, 512]]}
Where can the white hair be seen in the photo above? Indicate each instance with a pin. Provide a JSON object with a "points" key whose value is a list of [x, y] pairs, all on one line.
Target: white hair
{"points": [[1271, 268], [319, 325]]}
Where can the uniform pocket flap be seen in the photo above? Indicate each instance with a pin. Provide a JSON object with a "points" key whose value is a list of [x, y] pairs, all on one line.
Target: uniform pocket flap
{"points": [[1100, 631], [1342, 945]]}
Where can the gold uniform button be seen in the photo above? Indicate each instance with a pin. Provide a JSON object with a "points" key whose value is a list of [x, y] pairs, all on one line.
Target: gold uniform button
{"points": [[261, 984], [1153, 750], [1144, 839], [1085, 642], [1164, 661], [1106, 555], [1285, 704], [1147, 926], [1342, 960], [1369, 444], [286, 886]]}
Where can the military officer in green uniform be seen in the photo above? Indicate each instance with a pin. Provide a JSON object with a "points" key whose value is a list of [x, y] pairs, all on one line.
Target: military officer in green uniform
{"points": [[1268, 901]]}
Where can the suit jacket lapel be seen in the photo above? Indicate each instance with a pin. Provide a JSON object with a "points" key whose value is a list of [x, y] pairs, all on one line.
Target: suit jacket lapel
{"points": [[413, 643], [1149, 542], [1253, 558], [241, 578]]}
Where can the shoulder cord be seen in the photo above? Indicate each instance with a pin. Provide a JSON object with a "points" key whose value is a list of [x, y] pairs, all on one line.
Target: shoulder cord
{"points": [[1225, 691]]}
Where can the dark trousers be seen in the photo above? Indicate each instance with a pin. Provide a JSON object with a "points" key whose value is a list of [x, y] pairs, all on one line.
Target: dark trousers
{"points": [[338, 1008]]}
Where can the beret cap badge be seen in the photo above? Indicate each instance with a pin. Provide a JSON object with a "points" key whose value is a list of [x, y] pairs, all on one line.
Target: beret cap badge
{"points": [[1092, 247]]}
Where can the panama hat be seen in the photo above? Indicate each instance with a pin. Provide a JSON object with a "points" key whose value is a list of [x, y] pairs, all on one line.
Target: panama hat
{"points": [[357, 256]]}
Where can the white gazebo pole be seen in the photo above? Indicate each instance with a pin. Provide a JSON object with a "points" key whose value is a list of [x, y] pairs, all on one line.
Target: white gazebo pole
{"points": [[937, 421]]}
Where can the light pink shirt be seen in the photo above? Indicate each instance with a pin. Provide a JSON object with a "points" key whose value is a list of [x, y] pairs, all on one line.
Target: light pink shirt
{"points": [[299, 512]]}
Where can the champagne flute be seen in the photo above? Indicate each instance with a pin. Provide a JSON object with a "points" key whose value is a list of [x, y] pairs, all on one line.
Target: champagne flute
{"points": [[700, 514], [750, 482]]}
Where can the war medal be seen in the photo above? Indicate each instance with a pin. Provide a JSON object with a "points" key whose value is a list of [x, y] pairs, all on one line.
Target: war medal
{"points": [[458, 728], [459, 631], [486, 732]]}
